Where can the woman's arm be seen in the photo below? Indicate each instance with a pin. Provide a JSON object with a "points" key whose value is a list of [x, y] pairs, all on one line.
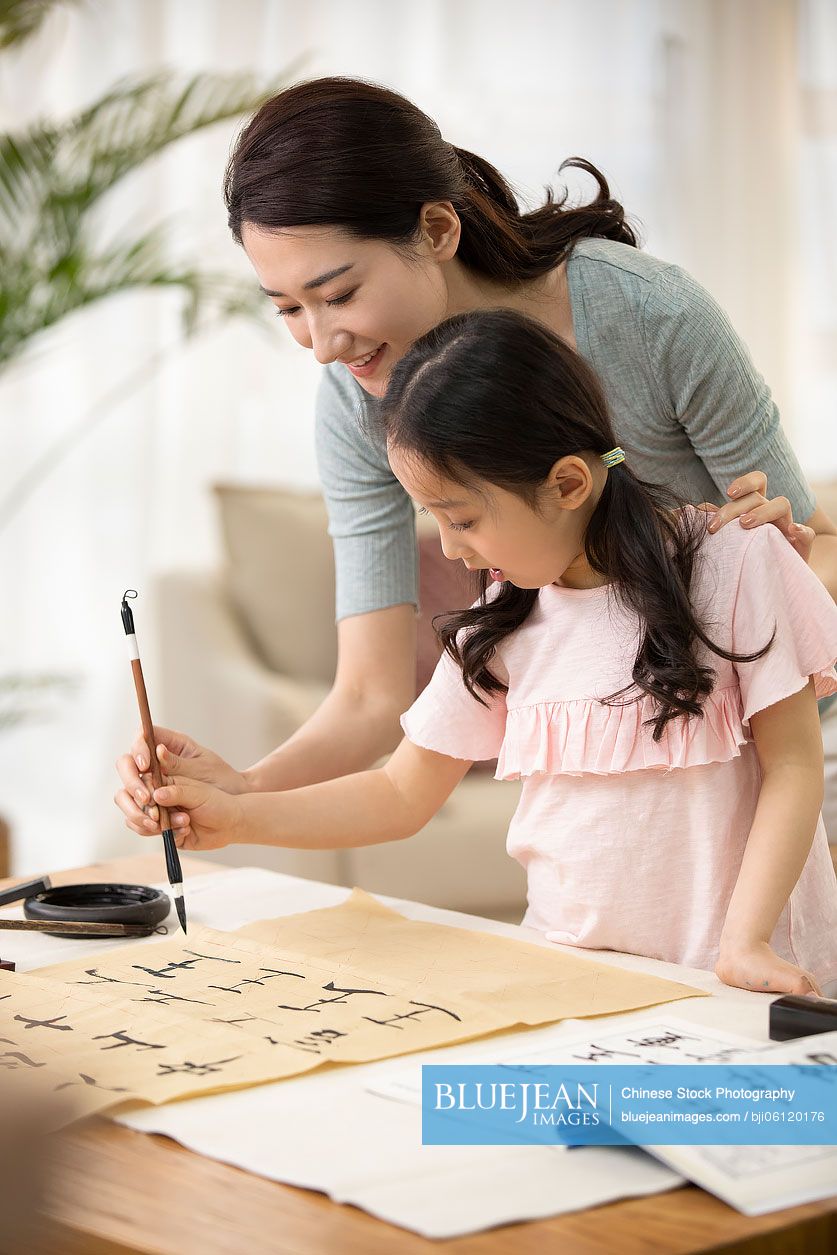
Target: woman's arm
{"points": [[358, 722], [706, 381], [789, 745], [388, 804], [372, 525], [823, 559]]}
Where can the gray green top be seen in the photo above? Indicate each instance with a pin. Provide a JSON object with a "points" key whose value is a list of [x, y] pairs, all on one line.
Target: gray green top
{"points": [[688, 406]]}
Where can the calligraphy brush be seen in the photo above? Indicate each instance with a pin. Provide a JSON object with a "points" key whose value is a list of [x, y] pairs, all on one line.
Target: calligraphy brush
{"points": [[172, 859]]}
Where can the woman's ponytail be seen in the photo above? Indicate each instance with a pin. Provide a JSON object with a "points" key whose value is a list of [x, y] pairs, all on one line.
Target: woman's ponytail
{"points": [[487, 183], [511, 246], [556, 228]]}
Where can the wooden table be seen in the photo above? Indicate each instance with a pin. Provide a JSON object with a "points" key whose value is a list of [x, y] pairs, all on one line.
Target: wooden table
{"points": [[120, 1191]]}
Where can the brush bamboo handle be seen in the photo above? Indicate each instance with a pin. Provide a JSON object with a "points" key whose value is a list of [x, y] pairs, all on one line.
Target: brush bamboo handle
{"points": [[148, 733]]}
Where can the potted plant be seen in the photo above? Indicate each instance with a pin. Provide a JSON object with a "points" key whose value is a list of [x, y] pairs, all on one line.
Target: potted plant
{"points": [[53, 177]]}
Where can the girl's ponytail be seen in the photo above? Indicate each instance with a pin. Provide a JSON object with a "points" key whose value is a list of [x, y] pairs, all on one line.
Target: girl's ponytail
{"points": [[646, 543]]}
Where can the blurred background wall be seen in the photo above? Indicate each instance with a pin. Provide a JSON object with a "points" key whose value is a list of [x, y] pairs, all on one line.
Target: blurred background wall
{"points": [[714, 120]]}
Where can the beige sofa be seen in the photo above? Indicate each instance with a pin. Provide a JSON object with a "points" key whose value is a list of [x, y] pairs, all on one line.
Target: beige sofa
{"points": [[246, 653]]}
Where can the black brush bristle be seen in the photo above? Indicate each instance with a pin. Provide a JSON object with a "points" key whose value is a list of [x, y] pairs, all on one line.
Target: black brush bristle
{"points": [[172, 859], [175, 874]]}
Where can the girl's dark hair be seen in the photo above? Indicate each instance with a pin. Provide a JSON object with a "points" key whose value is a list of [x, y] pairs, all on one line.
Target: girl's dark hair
{"points": [[345, 153], [497, 397]]}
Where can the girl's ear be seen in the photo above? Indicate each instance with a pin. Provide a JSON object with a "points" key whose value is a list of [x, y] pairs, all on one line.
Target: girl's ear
{"points": [[440, 229], [571, 482]]}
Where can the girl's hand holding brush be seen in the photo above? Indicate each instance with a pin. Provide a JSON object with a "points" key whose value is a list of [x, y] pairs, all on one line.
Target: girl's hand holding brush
{"points": [[177, 754], [214, 818]]}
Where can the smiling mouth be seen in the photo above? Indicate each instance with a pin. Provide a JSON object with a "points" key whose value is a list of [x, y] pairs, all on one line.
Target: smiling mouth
{"points": [[361, 361], [369, 360]]}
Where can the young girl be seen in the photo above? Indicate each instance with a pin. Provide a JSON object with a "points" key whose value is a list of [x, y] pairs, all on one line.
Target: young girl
{"points": [[653, 684]]}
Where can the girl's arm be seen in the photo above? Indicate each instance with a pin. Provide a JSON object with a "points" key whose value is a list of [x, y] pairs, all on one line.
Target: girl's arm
{"points": [[789, 745], [387, 804]]}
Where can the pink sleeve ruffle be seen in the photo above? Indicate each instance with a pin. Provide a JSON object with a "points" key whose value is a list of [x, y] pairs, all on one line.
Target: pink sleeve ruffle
{"points": [[778, 590], [447, 719]]}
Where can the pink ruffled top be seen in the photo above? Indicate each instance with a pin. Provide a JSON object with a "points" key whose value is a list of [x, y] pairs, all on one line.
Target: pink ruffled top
{"points": [[631, 844]]}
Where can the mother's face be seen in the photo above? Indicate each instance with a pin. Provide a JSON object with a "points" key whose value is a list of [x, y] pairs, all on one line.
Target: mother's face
{"points": [[358, 302]]}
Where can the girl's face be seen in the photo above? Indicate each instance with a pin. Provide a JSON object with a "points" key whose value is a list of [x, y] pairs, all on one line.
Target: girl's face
{"points": [[358, 302], [489, 528]]}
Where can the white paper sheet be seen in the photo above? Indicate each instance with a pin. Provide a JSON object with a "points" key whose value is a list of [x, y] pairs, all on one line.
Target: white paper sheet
{"points": [[647, 1039], [761, 1179], [328, 1132]]}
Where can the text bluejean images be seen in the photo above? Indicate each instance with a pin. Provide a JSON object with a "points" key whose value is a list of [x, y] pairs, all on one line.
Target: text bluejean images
{"points": [[607, 1105]]}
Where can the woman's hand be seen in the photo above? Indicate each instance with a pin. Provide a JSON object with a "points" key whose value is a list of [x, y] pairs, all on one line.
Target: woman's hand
{"points": [[753, 965], [215, 818], [753, 507], [178, 755]]}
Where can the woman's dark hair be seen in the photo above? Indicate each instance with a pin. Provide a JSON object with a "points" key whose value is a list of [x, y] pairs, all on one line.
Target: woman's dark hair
{"points": [[497, 397], [341, 152]]}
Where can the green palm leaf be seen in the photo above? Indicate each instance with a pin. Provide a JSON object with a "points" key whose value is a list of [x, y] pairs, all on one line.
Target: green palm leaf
{"points": [[51, 178], [31, 302], [19, 19]]}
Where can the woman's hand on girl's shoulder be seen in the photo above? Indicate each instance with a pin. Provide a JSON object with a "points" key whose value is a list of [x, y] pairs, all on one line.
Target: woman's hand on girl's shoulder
{"points": [[751, 505], [754, 965]]}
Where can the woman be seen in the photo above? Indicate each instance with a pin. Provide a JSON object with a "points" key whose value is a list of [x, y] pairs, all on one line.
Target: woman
{"points": [[365, 229]]}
